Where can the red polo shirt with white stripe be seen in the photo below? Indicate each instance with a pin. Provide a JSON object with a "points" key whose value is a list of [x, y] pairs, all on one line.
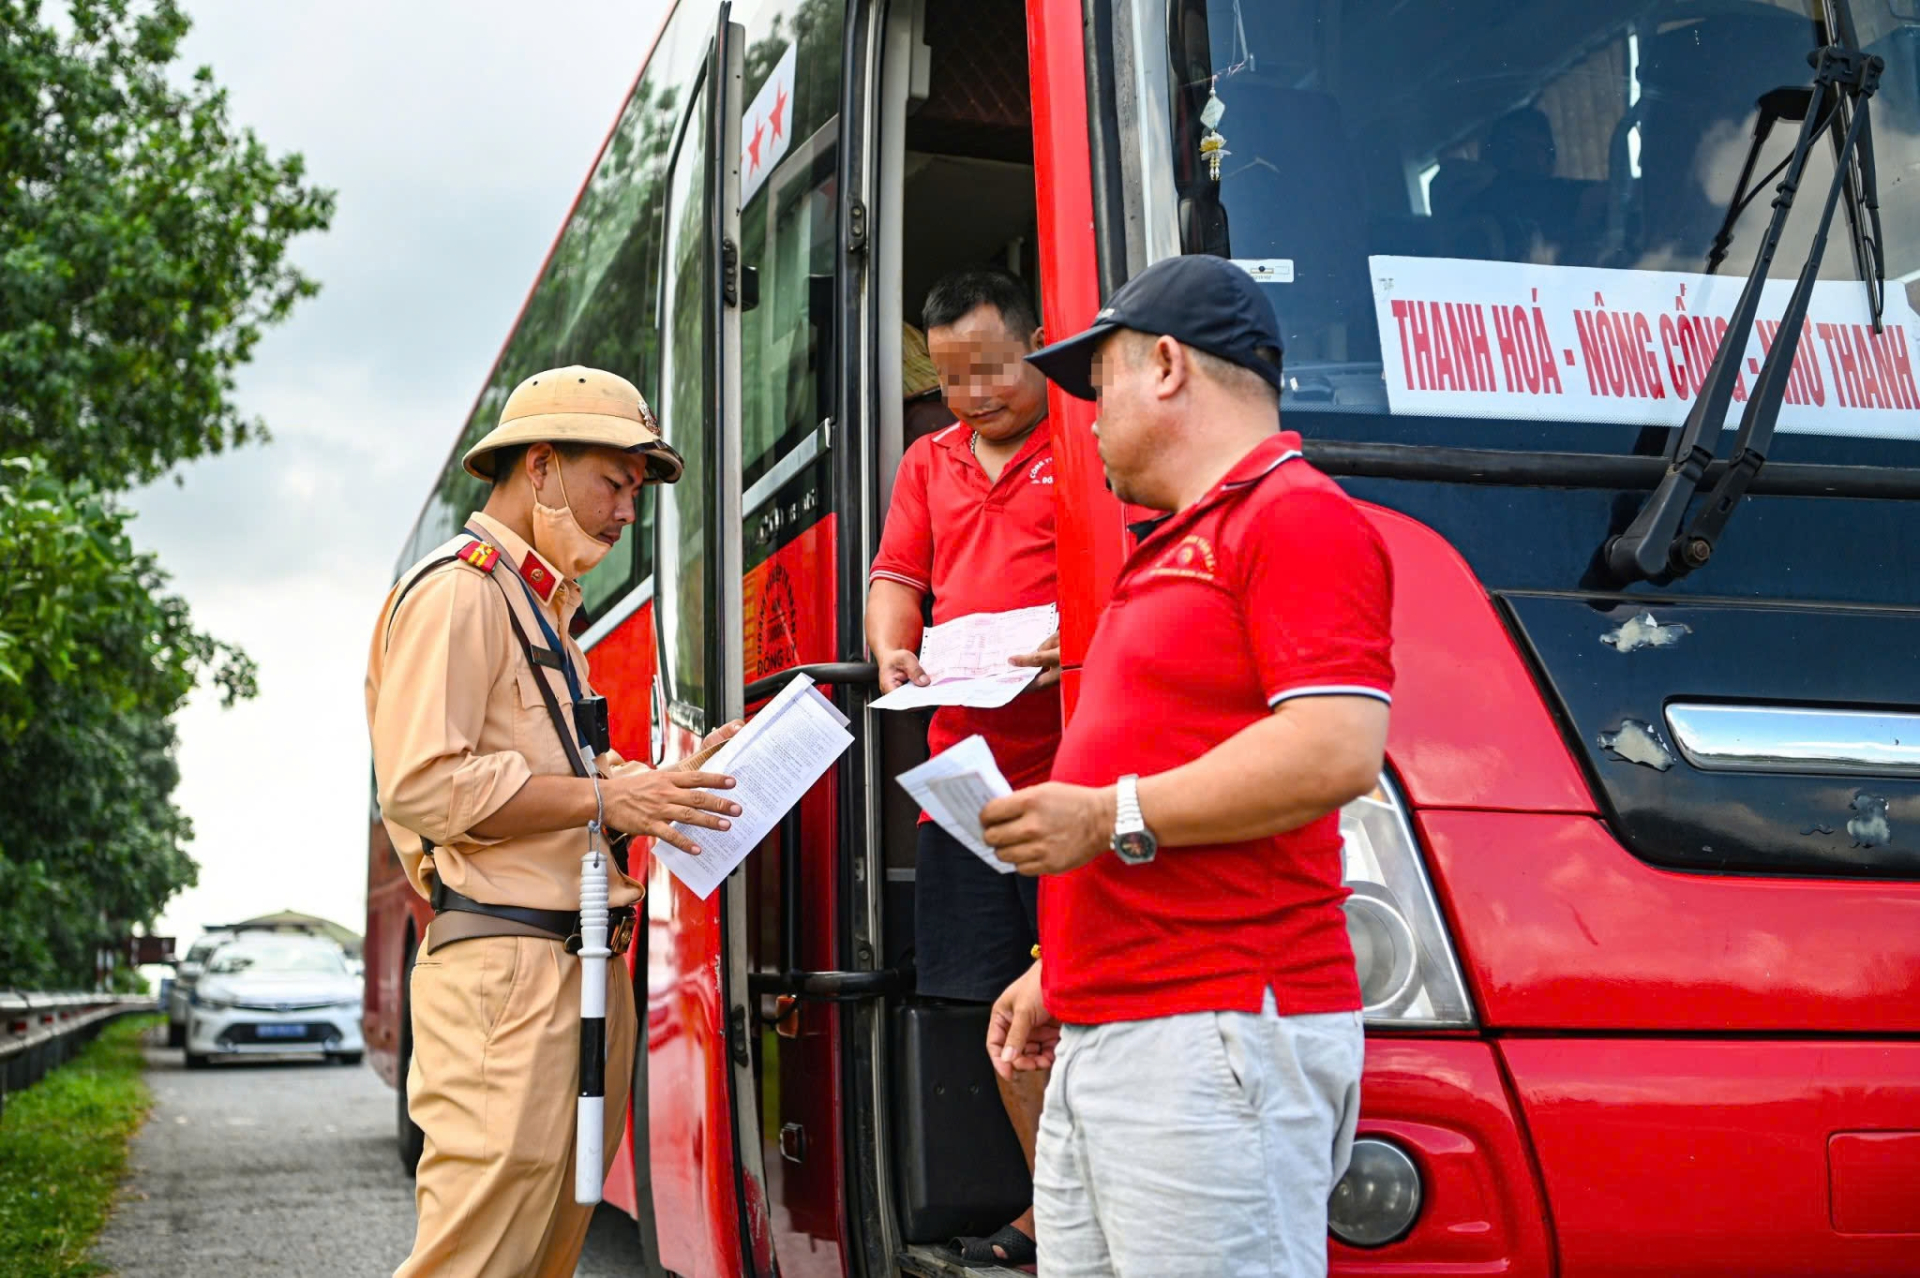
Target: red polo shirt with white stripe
{"points": [[980, 545], [1272, 586]]}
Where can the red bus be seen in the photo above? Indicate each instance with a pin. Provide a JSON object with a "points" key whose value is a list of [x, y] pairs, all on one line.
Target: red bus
{"points": [[1637, 906]]}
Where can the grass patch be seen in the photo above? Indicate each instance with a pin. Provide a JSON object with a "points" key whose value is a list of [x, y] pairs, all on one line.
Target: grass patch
{"points": [[63, 1149]]}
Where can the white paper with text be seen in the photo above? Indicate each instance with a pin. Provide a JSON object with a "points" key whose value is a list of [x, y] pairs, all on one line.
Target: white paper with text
{"points": [[1590, 344], [774, 760], [967, 659], [953, 786]]}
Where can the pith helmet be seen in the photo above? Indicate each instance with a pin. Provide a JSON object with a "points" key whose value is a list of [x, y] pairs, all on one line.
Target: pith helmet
{"points": [[577, 405]]}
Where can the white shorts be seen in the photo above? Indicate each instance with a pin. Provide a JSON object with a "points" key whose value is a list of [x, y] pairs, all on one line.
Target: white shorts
{"points": [[1196, 1146]]}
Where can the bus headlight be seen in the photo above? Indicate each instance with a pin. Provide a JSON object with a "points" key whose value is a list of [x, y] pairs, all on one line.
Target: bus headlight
{"points": [[1408, 973]]}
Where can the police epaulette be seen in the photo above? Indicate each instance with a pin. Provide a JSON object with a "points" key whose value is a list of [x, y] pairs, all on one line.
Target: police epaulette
{"points": [[475, 554], [478, 554]]}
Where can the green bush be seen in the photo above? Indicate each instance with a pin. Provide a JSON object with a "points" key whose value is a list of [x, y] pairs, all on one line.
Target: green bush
{"points": [[63, 1150]]}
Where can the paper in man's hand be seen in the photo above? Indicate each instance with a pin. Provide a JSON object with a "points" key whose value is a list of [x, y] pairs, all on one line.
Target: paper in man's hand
{"points": [[773, 761], [968, 660], [953, 786]]}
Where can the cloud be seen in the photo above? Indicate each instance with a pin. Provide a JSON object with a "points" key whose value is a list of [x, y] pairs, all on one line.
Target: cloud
{"points": [[455, 133]]}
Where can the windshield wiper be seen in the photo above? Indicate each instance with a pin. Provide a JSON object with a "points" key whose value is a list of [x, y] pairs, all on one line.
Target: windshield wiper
{"points": [[1653, 548]]}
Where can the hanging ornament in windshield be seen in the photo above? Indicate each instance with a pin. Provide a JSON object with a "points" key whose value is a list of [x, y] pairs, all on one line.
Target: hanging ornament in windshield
{"points": [[1213, 147]]}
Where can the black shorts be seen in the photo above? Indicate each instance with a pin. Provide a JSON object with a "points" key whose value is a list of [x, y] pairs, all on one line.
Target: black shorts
{"points": [[974, 928]]}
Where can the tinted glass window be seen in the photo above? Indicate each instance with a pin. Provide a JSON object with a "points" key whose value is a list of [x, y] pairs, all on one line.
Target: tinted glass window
{"points": [[596, 304], [680, 594], [789, 129], [1411, 181]]}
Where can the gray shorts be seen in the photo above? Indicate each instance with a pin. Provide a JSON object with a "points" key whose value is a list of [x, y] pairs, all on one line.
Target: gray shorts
{"points": [[1197, 1146]]}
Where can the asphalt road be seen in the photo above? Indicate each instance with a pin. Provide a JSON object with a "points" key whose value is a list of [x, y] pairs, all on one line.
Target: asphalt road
{"points": [[282, 1167]]}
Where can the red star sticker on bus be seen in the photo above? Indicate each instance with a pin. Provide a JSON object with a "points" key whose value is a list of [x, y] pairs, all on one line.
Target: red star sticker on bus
{"points": [[779, 109], [753, 147]]}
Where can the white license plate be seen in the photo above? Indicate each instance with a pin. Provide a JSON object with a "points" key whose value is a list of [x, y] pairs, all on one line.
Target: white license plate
{"points": [[280, 1031]]}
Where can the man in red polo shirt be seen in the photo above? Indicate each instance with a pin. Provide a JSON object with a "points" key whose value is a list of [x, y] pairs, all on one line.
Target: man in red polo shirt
{"points": [[971, 525], [1196, 993]]}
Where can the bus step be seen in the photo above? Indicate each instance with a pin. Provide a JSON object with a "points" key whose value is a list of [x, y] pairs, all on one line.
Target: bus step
{"points": [[937, 1262]]}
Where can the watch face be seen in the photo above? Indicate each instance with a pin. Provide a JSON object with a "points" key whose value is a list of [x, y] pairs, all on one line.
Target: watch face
{"points": [[1135, 847]]}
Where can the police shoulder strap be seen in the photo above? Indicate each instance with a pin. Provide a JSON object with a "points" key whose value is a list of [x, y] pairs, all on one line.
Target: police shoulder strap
{"points": [[478, 554], [575, 752]]}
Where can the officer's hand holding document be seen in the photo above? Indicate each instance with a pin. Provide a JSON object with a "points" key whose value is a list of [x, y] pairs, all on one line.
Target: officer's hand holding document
{"points": [[968, 660], [773, 761], [953, 787]]}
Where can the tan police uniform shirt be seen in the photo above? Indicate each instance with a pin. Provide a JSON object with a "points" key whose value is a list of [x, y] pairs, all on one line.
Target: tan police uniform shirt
{"points": [[458, 726]]}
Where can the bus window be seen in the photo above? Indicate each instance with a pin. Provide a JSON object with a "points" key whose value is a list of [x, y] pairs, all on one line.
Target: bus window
{"points": [[593, 304], [680, 591], [1314, 140], [788, 137]]}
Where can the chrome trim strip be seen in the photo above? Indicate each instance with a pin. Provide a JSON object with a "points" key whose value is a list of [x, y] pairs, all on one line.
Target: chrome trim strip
{"points": [[1152, 125], [636, 599], [1748, 738], [797, 459]]}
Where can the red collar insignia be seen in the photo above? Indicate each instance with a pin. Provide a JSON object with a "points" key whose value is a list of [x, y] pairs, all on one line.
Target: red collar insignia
{"points": [[537, 575]]}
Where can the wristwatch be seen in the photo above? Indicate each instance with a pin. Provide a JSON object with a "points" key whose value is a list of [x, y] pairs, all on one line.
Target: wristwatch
{"points": [[1133, 842]]}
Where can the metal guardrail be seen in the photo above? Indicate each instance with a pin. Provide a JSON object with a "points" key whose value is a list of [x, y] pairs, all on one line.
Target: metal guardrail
{"points": [[39, 1032]]}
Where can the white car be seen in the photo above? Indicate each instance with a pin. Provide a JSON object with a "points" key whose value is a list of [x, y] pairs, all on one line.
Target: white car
{"points": [[184, 976], [268, 994]]}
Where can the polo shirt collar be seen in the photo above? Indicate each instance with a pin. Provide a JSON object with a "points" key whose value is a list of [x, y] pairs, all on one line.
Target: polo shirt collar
{"points": [[1276, 449], [1282, 446], [548, 586], [958, 438]]}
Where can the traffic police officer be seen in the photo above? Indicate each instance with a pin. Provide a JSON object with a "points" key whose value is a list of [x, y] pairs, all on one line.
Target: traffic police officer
{"points": [[483, 720]]}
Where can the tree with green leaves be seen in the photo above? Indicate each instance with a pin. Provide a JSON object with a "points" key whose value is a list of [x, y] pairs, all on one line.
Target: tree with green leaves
{"points": [[143, 241]]}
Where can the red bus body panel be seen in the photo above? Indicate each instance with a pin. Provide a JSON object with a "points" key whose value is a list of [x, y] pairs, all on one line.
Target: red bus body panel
{"points": [[1469, 728], [690, 1113], [1561, 928], [1685, 1157], [1088, 519]]}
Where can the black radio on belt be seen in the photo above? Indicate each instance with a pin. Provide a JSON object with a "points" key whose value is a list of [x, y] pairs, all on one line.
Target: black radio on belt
{"points": [[590, 723]]}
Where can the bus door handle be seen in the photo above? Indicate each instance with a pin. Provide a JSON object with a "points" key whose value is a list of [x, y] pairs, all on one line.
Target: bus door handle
{"points": [[853, 673], [833, 987]]}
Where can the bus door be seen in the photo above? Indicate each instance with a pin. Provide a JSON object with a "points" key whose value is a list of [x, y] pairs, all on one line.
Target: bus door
{"points": [[790, 972], [751, 304], [705, 1163]]}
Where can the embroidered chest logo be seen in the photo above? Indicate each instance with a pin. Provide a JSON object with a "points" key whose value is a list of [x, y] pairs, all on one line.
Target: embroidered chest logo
{"points": [[1193, 557], [1041, 472]]}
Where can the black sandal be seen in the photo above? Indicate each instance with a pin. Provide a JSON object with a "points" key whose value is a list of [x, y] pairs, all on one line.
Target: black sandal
{"points": [[1020, 1249]]}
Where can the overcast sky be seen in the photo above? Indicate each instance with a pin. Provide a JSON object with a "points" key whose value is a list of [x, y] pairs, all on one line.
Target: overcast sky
{"points": [[455, 133]]}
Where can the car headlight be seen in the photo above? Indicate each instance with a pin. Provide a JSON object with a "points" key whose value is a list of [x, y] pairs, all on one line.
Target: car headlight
{"points": [[1408, 973], [210, 1001], [348, 1005]]}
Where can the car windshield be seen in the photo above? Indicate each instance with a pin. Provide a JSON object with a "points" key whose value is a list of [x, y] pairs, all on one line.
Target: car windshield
{"points": [[279, 958], [1501, 211]]}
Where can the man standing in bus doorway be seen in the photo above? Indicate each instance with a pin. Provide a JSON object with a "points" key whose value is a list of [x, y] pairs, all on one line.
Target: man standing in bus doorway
{"points": [[1195, 992], [971, 525], [480, 710]]}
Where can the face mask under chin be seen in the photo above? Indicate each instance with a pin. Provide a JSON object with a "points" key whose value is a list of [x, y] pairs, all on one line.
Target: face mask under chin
{"points": [[560, 539]]}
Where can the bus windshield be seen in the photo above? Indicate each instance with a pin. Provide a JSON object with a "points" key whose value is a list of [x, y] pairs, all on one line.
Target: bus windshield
{"points": [[1494, 217]]}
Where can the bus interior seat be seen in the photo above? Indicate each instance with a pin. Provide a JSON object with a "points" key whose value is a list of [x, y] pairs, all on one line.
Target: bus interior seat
{"points": [[1689, 102], [968, 199]]}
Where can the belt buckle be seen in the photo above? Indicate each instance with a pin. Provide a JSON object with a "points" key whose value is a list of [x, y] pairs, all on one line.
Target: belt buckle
{"points": [[622, 933]]}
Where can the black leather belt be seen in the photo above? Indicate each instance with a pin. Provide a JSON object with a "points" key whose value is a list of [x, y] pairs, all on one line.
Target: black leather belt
{"points": [[562, 925]]}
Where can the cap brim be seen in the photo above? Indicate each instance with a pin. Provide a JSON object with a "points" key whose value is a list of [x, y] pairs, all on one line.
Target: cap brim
{"points": [[664, 464], [1069, 364]]}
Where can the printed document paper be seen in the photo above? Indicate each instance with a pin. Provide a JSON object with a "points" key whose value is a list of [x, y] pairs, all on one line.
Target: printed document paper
{"points": [[953, 786], [774, 760], [966, 659]]}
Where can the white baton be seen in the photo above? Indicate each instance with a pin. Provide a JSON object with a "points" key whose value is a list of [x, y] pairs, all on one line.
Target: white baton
{"points": [[588, 1161]]}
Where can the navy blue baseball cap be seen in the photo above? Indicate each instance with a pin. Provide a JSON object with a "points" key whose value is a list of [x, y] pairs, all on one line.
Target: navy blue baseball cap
{"points": [[1207, 303]]}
